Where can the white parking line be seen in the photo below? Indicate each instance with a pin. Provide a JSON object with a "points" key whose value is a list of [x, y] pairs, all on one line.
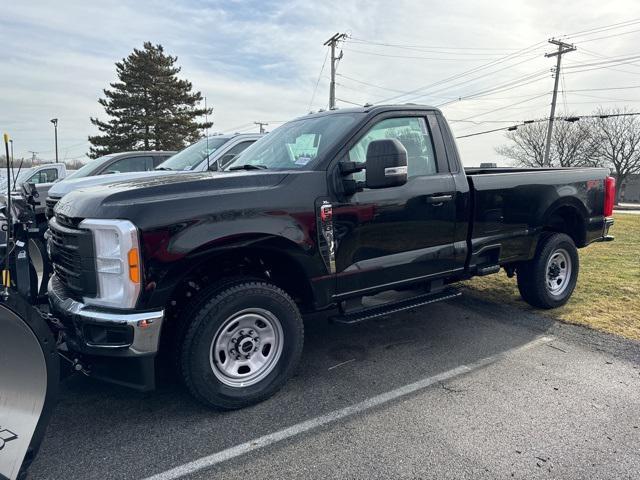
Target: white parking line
{"points": [[306, 426]]}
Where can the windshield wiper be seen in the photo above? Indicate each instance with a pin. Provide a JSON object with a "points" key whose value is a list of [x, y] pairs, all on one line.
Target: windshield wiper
{"points": [[164, 168], [248, 167]]}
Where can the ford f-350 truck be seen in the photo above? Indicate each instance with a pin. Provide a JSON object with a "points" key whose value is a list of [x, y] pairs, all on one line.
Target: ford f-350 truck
{"points": [[216, 269]]}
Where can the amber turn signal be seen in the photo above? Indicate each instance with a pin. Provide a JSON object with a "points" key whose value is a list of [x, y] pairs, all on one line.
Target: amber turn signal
{"points": [[134, 265]]}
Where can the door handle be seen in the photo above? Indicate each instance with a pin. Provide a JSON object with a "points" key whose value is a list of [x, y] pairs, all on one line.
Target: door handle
{"points": [[437, 200]]}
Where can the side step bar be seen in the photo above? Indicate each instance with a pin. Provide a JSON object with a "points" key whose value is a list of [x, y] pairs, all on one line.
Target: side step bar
{"points": [[488, 270], [390, 308]]}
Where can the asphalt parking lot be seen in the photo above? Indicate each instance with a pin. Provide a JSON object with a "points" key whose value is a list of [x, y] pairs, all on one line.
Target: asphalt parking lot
{"points": [[464, 389]]}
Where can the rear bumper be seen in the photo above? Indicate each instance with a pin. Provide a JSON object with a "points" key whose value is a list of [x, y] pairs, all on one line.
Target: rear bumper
{"points": [[608, 223]]}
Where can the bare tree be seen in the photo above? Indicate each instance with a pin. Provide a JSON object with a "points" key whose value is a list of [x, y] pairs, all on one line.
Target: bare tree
{"points": [[573, 145], [618, 140], [527, 149]]}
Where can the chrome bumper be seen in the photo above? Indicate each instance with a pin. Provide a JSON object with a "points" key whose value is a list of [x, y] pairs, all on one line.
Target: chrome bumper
{"points": [[608, 223], [144, 326]]}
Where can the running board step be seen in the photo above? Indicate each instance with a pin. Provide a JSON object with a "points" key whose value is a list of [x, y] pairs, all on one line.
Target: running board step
{"points": [[488, 270], [390, 308]]}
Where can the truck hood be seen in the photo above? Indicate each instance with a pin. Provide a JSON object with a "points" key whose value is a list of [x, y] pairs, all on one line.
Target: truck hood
{"points": [[61, 188], [161, 199]]}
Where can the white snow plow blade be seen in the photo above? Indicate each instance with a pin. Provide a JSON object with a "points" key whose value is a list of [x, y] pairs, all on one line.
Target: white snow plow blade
{"points": [[29, 373]]}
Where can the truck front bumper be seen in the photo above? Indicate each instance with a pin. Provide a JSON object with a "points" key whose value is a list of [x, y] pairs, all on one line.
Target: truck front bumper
{"points": [[115, 346]]}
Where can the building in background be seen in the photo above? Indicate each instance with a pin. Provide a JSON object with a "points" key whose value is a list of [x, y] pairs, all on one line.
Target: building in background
{"points": [[630, 189]]}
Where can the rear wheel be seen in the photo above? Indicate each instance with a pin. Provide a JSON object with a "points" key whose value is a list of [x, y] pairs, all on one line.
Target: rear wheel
{"points": [[548, 280], [242, 344]]}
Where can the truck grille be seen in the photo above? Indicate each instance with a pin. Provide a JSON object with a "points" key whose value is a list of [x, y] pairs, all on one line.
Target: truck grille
{"points": [[49, 204], [73, 259]]}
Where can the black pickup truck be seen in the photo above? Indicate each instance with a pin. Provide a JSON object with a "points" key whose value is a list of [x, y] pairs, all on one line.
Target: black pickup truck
{"points": [[216, 269]]}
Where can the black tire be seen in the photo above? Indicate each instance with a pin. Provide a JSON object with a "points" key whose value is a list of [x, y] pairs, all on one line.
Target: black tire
{"points": [[200, 367], [535, 280]]}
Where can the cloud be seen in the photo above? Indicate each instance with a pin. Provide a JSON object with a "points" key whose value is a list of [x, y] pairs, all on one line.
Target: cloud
{"points": [[260, 60]]}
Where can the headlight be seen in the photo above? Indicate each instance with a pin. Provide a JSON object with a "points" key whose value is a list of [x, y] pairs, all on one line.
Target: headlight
{"points": [[117, 262]]}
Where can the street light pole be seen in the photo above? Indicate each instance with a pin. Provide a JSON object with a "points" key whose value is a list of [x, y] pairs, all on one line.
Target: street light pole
{"points": [[55, 128]]}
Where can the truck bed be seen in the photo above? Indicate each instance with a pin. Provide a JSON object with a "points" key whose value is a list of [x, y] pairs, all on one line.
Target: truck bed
{"points": [[511, 206]]}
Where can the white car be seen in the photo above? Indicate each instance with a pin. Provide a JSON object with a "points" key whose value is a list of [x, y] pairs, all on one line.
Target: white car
{"points": [[211, 153]]}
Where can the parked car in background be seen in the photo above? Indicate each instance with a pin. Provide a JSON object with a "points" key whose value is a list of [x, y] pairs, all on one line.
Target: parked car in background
{"points": [[122, 163], [209, 153], [43, 176], [325, 212]]}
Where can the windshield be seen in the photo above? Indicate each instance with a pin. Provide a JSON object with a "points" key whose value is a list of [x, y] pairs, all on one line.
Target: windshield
{"points": [[87, 169], [295, 145], [23, 175], [193, 155]]}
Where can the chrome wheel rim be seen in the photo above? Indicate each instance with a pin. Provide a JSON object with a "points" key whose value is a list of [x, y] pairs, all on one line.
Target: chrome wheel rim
{"points": [[558, 272], [246, 347]]}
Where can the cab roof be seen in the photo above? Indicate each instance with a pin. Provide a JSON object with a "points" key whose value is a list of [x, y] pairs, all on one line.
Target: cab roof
{"points": [[373, 109]]}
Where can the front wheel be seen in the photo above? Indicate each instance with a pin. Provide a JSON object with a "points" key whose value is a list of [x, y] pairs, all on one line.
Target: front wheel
{"points": [[242, 344], [548, 280]]}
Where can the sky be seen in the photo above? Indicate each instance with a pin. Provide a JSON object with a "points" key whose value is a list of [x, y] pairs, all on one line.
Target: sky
{"points": [[263, 61]]}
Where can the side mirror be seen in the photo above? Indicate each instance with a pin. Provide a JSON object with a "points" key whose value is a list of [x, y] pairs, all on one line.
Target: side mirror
{"points": [[386, 164]]}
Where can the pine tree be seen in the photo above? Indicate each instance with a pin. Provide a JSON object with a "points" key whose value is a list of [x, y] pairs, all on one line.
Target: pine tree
{"points": [[150, 108]]}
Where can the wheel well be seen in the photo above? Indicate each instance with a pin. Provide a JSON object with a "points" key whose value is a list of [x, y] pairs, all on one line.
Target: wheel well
{"points": [[568, 220], [276, 267]]}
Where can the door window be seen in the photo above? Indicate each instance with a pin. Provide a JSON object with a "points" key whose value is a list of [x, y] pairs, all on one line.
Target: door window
{"points": [[48, 175], [129, 164], [412, 132]]}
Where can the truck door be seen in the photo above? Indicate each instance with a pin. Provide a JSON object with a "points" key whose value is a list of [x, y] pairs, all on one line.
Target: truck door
{"points": [[394, 236], [43, 180]]}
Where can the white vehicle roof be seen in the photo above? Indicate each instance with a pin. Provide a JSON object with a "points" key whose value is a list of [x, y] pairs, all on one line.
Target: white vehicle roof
{"points": [[63, 187]]}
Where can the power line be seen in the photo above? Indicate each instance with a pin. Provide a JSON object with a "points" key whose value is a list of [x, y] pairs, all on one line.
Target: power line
{"points": [[313, 96], [593, 54], [596, 67], [368, 84], [505, 107], [516, 83], [413, 57], [506, 58], [349, 102], [566, 118], [606, 98], [609, 36], [596, 30], [628, 87], [472, 80], [399, 45], [618, 60]]}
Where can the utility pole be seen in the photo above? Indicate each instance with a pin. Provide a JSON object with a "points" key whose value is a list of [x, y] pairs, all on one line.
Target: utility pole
{"points": [[332, 42], [11, 142], [262, 125], [562, 49], [55, 127], [33, 157]]}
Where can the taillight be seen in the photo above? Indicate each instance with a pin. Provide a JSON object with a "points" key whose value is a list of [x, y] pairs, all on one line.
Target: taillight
{"points": [[609, 195]]}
